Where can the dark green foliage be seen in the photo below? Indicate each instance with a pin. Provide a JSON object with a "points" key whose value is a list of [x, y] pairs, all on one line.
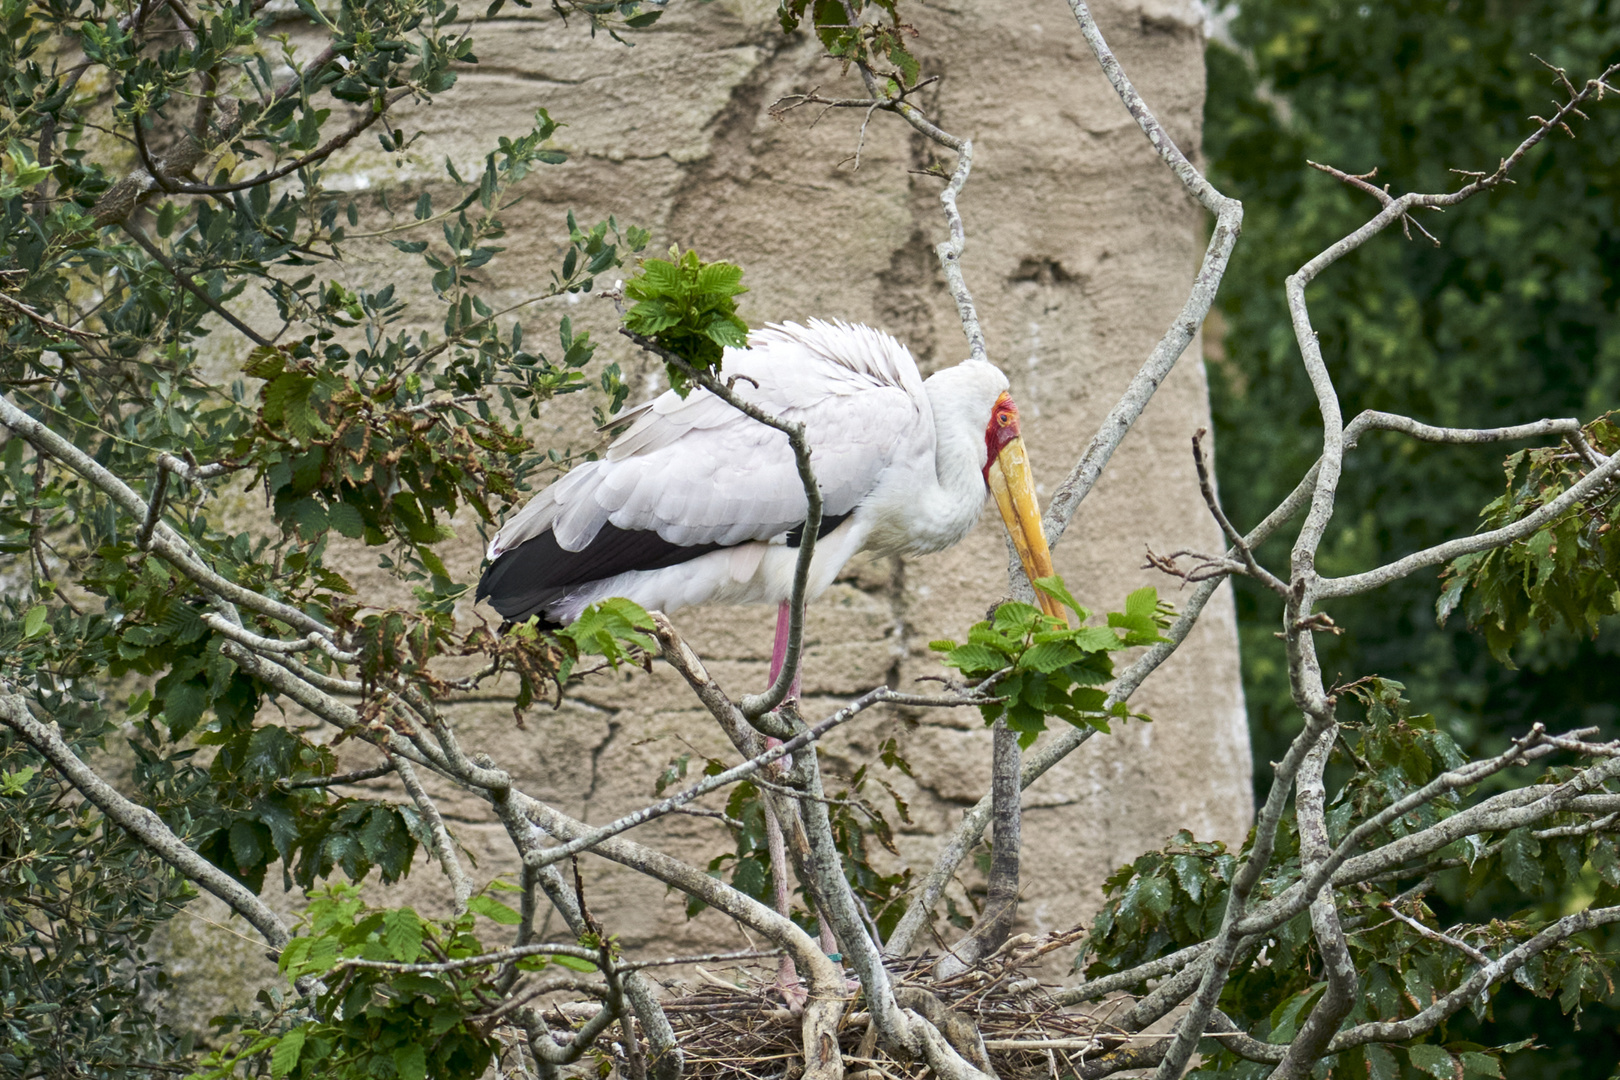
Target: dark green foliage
{"points": [[880, 44], [374, 1022], [1566, 576], [1169, 899], [358, 419], [687, 306], [78, 904], [1514, 317]]}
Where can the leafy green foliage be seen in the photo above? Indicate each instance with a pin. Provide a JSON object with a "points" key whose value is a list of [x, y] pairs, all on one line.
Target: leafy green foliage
{"points": [[80, 902], [688, 307], [1045, 667], [880, 44], [1166, 900], [374, 1021], [1512, 318], [1515, 316], [615, 629], [1566, 575]]}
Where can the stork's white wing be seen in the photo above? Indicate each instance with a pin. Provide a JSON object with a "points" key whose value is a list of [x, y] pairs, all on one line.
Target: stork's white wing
{"points": [[699, 472]]}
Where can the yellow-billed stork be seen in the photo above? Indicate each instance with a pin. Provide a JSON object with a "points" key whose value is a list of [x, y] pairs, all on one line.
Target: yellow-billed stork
{"points": [[697, 503]]}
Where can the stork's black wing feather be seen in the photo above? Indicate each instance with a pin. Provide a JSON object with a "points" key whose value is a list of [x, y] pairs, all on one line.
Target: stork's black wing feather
{"points": [[538, 572]]}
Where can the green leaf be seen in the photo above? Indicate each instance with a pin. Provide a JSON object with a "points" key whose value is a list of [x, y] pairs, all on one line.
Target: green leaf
{"points": [[1053, 586], [1049, 656], [1521, 859], [346, 519], [402, 934], [1606, 861], [34, 621], [975, 659], [1191, 874], [573, 963], [1381, 1063], [493, 910], [295, 955], [1476, 1063], [323, 953], [285, 1056], [1143, 603], [1285, 1018], [1434, 1060], [16, 783], [411, 1062], [1156, 896]]}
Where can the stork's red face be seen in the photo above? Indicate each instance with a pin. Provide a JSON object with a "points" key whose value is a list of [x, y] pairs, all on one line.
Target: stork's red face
{"points": [[1003, 429], [1007, 473]]}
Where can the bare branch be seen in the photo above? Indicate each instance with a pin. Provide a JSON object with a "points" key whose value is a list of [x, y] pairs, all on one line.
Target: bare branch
{"points": [[1353, 584], [1206, 484], [443, 847], [781, 750], [1436, 935], [462, 963], [1314, 847], [1228, 226]]}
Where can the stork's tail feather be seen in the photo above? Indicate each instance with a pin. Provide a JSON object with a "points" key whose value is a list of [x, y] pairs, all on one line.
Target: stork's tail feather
{"points": [[539, 573]]}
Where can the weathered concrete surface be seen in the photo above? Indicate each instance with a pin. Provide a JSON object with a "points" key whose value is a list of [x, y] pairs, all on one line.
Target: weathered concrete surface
{"points": [[1081, 249]]}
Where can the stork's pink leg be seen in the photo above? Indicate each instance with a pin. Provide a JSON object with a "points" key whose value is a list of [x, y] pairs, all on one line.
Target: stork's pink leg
{"points": [[784, 612], [787, 976]]}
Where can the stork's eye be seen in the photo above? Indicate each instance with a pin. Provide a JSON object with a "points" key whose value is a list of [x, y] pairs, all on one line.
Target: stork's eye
{"points": [[1003, 419]]}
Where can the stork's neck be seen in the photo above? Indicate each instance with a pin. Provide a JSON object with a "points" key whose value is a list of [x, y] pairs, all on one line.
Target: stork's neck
{"points": [[943, 512]]}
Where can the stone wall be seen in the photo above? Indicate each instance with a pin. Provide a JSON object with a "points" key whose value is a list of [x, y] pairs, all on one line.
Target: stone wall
{"points": [[1081, 248]]}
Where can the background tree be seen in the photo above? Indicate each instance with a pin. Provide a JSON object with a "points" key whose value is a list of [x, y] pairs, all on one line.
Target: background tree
{"points": [[1514, 309]]}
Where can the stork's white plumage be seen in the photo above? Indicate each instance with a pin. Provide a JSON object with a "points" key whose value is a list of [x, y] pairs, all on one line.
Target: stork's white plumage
{"points": [[696, 502]]}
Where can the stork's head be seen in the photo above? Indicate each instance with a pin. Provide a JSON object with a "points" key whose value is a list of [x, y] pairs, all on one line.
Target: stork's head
{"points": [[971, 401], [1007, 474]]}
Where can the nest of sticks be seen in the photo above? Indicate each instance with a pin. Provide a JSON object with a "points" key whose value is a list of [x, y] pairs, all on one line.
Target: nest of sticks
{"points": [[741, 1028]]}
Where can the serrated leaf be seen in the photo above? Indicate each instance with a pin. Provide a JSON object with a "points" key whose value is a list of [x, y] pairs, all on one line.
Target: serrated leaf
{"points": [[1191, 874], [1521, 859], [1156, 896], [1381, 1063], [1143, 603], [295, 954], [974, 659], [308, 516], [285, 1056], [1434, 1060], [1049, 656], [1095, 638], [410, 1061], [346, 519], [323, 953], [494, 910], [402, 934], [1053, 586]]}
